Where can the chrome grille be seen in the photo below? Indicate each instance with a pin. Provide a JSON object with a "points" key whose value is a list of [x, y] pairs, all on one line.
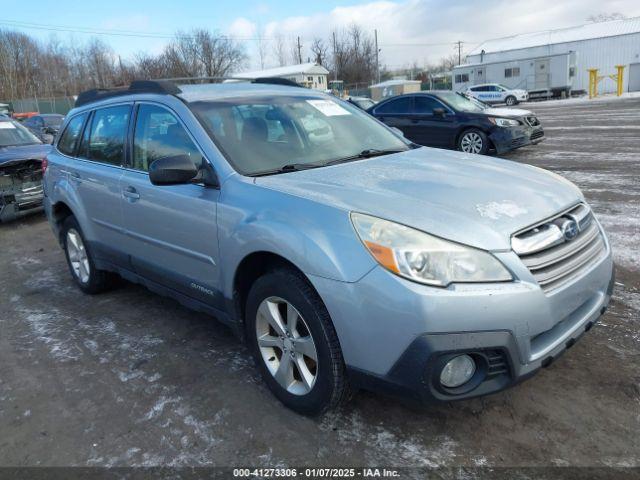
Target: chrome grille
{"points": [[554, 255]]}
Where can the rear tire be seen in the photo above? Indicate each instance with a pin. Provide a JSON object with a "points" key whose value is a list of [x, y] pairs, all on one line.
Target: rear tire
{"points": [[80, 260], [473, 141], [287, 325], [511, 101]]}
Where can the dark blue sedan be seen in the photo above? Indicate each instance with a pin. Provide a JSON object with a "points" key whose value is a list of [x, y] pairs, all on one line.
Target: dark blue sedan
{"points": [[448, 119]]}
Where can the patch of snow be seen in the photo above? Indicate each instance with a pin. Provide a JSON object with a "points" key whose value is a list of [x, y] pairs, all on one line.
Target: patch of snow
{"points": [[495, 210]]}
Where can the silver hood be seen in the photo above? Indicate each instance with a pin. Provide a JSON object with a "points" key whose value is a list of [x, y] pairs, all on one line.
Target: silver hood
{"points": [[471, 199]]}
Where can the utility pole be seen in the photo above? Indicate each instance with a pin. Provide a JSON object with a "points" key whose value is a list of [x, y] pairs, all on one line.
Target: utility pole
{"points": [[375, 36], [459, 44], [335, 57], [299, 51]]}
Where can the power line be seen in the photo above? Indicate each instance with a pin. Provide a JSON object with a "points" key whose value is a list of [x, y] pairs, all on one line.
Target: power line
{"points": [[163, 35], [109, 32], [440, 44]]}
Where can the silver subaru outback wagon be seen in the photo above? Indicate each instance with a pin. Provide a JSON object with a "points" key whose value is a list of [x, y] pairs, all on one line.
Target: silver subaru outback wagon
{"points": [[344, 255]]}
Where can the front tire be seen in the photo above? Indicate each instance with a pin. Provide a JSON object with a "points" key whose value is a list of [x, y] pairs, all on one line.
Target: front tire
{"points": [[473, 141], [511, 101], [294, 343], [80, 260]]}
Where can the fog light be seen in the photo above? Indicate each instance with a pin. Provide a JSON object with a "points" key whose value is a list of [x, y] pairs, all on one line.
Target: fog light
{"points": [[457, 371]]}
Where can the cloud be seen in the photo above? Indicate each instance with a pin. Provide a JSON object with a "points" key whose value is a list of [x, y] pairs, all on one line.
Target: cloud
{"points": [[242, 28], [432, 26]]}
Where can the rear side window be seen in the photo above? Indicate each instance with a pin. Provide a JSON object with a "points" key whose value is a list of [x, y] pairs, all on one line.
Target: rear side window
{"points": [[158, 135], [401, 105], [71, 136], [107, 135]]}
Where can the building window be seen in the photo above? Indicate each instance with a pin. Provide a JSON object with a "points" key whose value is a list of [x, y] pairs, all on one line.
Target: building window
{"points": [[462, 77], [309, 79], [320, 80], [572, 72], [511, 72]]}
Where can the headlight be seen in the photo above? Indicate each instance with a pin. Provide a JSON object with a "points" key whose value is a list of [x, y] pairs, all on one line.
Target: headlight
{"points": [[504, 122], [424, 258]]}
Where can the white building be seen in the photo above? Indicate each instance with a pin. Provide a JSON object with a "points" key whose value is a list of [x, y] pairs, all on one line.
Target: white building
{"points": [[556, 61], [390, 88], [310, 75]]}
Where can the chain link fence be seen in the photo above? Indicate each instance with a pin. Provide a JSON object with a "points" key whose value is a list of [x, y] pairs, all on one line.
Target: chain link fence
{"points": [[60, 105]]}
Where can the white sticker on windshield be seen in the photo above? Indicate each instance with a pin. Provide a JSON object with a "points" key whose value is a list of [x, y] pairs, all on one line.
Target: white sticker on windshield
{"points": [[7, 125], [328, 108]]}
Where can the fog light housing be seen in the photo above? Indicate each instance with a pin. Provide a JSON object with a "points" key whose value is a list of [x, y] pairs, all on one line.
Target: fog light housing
{"points": [[457, 371]]}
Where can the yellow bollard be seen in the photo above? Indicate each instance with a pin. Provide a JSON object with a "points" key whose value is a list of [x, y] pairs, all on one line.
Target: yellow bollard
{"points": [[620, 78], [593, 82]]}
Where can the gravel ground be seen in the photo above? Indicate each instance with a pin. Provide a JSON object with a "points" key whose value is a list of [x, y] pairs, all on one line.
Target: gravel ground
{"points": [[132, 379]]}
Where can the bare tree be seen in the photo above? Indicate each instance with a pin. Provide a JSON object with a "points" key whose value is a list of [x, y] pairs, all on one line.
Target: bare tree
{"points": [[202, 53], [262, 45], [279, 50], [319, 50], [354, 59]]}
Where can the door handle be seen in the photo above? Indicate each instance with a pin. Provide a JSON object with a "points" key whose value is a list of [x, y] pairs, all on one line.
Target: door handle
{"points": [[131, 194], [414, 120]]}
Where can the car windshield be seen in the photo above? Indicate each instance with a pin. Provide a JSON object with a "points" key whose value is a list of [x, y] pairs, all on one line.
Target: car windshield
{"points": [[13, 134], [504, 86], [281, 133], [53, 121], [462, 103]]}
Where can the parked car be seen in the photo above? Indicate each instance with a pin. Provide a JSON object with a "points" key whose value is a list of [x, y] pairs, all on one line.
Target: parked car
{"points": [[496, 93], [44, 126], [364, 103], [446, 119], [21, 155], [347, 258]]}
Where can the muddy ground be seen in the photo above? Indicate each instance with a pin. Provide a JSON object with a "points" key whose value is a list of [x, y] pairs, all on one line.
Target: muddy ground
{"points": [[130, 378]]}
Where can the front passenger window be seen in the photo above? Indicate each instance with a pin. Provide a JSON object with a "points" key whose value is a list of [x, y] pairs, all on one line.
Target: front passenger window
{"points": [[158, 135], [425, 105]]}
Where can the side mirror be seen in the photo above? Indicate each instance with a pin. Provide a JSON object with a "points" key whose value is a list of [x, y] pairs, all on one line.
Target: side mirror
{"points": [[439, 112], [172, 170]]}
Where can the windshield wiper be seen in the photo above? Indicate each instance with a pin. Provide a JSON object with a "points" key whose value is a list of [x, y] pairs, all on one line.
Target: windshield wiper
{"points": [[296, 167], [289, 167], [368, 153]]}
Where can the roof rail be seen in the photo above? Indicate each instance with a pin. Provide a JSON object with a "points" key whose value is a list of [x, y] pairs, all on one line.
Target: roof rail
{"points": [[167, 86], [262, 80], [137, 86]]}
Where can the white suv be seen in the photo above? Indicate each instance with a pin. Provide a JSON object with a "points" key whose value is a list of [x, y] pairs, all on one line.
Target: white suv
{"points": [[496, 93]]}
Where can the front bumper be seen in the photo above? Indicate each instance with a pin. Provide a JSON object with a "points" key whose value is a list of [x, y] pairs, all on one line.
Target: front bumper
{"points": [[395, 334], [506, 139], [19, 202], [416, 374]]}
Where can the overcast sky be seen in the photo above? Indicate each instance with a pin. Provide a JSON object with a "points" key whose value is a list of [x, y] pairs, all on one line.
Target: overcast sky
{"points": [[412, 30]]}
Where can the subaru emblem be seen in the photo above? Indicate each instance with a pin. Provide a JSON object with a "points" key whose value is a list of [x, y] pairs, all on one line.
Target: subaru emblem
{"points": [[570, 230]]}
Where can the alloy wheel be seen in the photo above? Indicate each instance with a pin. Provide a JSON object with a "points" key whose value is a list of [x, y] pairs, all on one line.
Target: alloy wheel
{"points": [[78, 256], [471, 143], [286, 345]]}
